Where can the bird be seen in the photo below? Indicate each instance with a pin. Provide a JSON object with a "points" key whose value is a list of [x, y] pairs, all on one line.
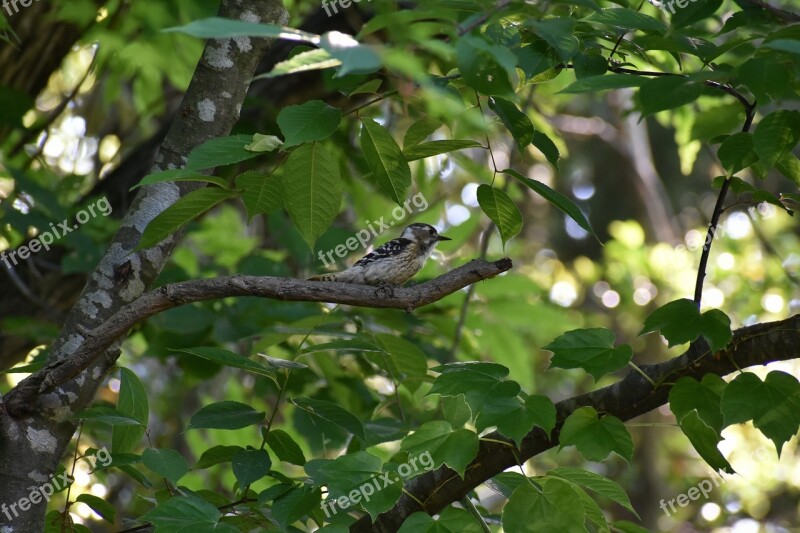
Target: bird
{"points": [[393, 263]]}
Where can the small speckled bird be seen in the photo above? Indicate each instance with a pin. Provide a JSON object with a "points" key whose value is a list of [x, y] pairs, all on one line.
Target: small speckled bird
{"points": [[395, 262]]}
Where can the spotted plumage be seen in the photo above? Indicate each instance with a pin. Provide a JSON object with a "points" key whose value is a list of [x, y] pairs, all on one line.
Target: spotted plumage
{"points": [[393, 263]]}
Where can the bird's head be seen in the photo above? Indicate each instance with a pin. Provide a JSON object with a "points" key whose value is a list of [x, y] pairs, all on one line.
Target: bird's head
{"points": [[425, 234]]}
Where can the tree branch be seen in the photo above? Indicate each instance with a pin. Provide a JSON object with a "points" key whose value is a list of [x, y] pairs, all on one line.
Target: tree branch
{"points": [[630, 397], [22, 399]]}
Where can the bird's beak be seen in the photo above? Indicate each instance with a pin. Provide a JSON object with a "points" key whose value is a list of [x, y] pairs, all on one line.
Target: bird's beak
{"points": [[443, 238]]}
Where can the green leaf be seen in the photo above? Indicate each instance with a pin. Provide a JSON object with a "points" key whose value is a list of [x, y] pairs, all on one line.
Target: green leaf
{"points": [[736, 152], [767, 79], [536, 59], [107, 415], [370, 87], [515, 419], [132, 401], [407, 363], [217, 455], [773, 405], [317, 59], [313, 190], [233, 360], [225, 415], [692, 13], [220, 151], [356, 58], [183, 513], [348, 345], [596, 437], [477, 381], [603, 83], [547, 147], [680, 322], [332, 413], [704, 438], [385, 160], [181, 212], [263, 143], [285, 447], [627, 19], [432, 148], [419, 131], [775, 135], [99, 506], [515, 120], [558, 32], [262, 194], [667, 92], [310, 121], [451, 520], [222, 28], [167, 463], [275, 362], [704, 396], [250, 465], [294, 505], [454, 448], [557, 507], [590, 349], [501, 210], [179, 174], [595, 482], [485, 67], [564, 204], [789, 166]]}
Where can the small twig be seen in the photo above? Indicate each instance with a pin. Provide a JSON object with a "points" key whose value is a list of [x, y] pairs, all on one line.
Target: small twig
{"points": [[483, 18], [471, 509]]}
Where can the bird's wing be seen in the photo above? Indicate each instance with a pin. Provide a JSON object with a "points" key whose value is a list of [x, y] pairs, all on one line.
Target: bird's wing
{"points": [[391, 248]]}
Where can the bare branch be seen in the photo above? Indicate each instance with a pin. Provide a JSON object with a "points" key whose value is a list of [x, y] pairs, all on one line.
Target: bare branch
{"points": [[630, 397], [21, 400]]}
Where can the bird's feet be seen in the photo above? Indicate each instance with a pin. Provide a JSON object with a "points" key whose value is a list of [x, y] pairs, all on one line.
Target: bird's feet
{"points": [[385, 290]]}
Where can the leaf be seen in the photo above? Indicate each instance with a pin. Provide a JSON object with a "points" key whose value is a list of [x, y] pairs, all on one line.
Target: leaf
{"points": [[477, 381], [557, 507], [222, 28], [250, 465], [776, 135], [167, 463], [356, 58], [514, 120], [370, 87], [595, 482], [385, 160], [225, 415], [432, 148], [451, 520], [181, 212], [216, 455], [99, 506], [263, 143], [667, 92], [704, 438], [704, 396], [558, 200], [183, 513], [312, 189], [547, 147], [501, 210], [773, 405], [590, 349], [736, 152], [419, 131], [316, 59], [603, 83], [627, 19], [179, 174], [535, 59], [789, 166], [294, 505], [227, 358], [596, 437], [485, 67], [515, 419], [107, 415], [220, 151], [262, 194], [342, 346], [275, 362], [131, 401], [285, 447], [680, 321], [559, 34], [408, 364], [332, 413], [456, 448], [766, 78], [313, 120]]}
